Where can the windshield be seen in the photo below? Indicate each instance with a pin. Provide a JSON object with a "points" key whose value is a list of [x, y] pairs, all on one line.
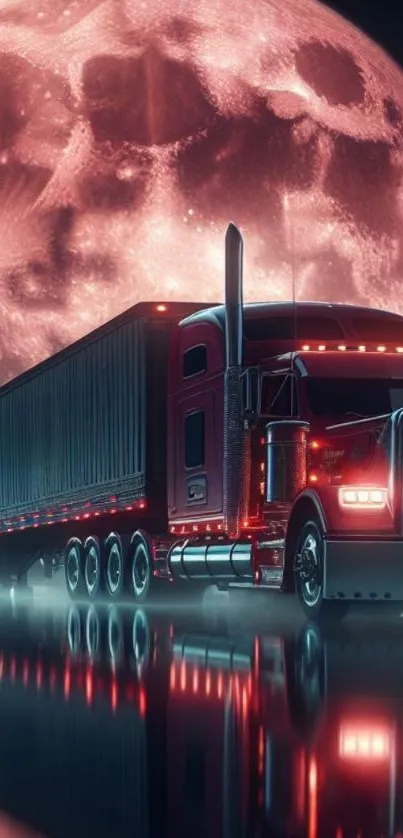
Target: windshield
{"points": [[354, 396]]}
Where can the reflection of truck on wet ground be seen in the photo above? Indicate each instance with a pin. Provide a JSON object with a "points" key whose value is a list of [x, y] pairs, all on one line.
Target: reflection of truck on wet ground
{"points": [[165, 731], [308, 743], [77, 755], [256, 446]]}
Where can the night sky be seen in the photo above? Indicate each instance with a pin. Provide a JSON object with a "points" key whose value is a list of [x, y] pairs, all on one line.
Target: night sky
{"points": [[380, 19], [132, 133]]}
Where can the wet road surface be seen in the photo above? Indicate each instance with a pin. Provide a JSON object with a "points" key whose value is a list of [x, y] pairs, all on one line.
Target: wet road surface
{"points": [[227, 720]]}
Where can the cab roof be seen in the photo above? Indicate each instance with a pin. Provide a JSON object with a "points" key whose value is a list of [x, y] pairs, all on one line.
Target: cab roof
{"points": [[276, 321]]}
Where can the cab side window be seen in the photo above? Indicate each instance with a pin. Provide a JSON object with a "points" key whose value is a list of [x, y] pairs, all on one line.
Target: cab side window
{"points": [[195, 439], [282, 396], [194, 361]]}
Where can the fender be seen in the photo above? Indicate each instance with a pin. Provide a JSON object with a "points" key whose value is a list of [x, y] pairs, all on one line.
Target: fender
{"points": [[141, 535], [313, 497]]}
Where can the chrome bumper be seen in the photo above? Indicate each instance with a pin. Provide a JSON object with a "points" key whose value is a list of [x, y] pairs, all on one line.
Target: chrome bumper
{"points": [[363, 570]]}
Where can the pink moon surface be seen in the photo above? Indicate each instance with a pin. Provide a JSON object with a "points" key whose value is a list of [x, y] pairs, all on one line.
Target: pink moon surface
{"points": [[131, 132]]}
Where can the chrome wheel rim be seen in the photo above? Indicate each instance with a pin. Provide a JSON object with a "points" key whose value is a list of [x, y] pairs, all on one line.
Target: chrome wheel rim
{"points": [[74, 630], [73, 568], [91, 569], [311, 589], [310, 674], [140, 570], [141, 640], [92, 632], [115, 635], [114, 568]]}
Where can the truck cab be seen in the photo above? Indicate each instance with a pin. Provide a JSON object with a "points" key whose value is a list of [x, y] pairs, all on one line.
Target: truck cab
{"points": [[307, 455]]}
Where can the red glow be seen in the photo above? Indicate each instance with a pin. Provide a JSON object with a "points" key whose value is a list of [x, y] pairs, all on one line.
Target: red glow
{"points": [[142, 702], [364, 742], [183, 676], [161, 308], [114, 695], [89, 686], [313, 798], [300, 784], [67, 683]]}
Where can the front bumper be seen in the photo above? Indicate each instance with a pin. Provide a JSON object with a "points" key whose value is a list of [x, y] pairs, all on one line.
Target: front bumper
{"points": [[363, 570]]}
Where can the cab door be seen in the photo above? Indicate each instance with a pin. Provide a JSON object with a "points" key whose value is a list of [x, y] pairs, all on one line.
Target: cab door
{"points": [[197, 414]]}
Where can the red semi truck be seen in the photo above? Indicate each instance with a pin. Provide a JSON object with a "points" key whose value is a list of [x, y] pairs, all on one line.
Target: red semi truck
{"points": [[253, 446]]}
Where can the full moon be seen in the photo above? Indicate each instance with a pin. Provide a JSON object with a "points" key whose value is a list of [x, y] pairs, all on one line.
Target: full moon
{"points": [[131, 132]]}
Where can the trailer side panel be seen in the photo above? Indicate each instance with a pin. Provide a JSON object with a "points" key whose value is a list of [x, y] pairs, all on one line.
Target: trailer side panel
{"points": [[75, 430]]}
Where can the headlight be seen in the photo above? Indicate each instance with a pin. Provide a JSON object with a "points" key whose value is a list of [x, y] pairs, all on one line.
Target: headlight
{"points": [[368, 742], [352, 497]]}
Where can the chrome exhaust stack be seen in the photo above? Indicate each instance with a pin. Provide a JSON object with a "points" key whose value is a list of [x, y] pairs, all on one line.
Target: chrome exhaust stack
{"points": [[235, 482]]}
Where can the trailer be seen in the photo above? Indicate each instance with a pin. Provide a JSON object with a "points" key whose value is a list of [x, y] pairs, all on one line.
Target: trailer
{"points": [[255, 446]]}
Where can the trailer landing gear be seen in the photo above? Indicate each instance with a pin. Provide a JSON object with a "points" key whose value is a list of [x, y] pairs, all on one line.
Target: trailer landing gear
{"points": [[308, 575]]}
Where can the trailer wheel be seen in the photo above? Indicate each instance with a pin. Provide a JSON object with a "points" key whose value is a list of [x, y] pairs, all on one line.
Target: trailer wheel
{"points": [[74, 570], [141, 575], [308, 575], [74, 631], [93, 632], [114, 566], [92, 567]]}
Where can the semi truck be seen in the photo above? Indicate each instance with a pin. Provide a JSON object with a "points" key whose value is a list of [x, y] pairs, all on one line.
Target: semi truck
{"points": [[255, 446]]}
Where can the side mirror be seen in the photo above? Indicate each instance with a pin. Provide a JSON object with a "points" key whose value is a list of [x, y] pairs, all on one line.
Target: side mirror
{"points": [[250, 394]]}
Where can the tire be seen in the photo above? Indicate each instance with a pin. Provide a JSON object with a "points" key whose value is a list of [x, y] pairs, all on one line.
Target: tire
{"points": [[74, 631], [74, 569], [114, 567], [92, 567], [141, 580], [308, 575], [116, 635], [93, 633], [141, 641]]}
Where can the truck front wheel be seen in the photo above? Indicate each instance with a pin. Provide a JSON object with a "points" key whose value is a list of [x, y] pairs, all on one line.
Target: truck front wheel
{"points": [[308, 575]]}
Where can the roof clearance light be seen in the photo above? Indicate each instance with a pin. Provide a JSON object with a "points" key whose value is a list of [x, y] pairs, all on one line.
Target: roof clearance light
{"points": [[369, 743], [161, 307], [321, 347], [381, 348], [342, 348], [362, 348], [305, 347], [362, 498], [399, 349]]}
